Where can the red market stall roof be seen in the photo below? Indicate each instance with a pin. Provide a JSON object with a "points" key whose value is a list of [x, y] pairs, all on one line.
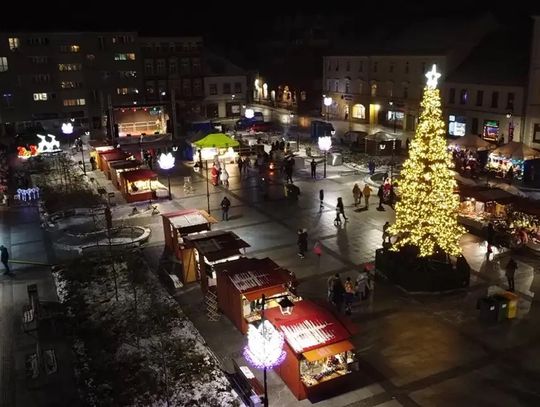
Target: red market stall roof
{"points": [[138, 175], [217, 244], [126, 164], [310, 326], [116, 155], [253, 277], [104, 153], [188, 218]]}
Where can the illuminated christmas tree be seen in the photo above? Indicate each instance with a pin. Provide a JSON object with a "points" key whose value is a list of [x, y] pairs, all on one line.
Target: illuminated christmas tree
{"points": [[426, 215]]}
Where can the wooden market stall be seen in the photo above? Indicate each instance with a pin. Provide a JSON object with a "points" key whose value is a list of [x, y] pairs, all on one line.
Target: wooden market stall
{"points": [[176, 226], [110, 157], [99, 152], [139, 185], [118, 167], [320, 357], [211, 248], [241, 284]]}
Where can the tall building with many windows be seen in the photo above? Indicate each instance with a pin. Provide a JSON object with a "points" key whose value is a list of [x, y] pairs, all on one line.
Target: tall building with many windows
{"points": [[47, 78]]}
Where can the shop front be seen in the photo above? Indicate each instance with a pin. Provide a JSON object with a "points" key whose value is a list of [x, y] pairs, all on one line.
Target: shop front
{"points": [[109, 157], [140, 185], [176, 226], [457, 125], [208, 249], [241, 284], [320, 358]]}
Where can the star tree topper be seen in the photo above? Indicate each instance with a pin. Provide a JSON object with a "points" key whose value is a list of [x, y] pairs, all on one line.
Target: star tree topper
{"points": [[432, 77]]}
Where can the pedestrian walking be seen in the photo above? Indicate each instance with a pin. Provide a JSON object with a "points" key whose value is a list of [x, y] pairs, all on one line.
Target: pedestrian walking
{"points": [[225, 205], [380, 194], [240, 166], [348, 295], [330, 287], [511, 268], [371, 167], [361, 284], [313, 169], [490, 231], [224, 177], [4, 257], [321, 200], [302, 242], [93, 163], [338, 293], [357, 194], [367, 193], [341, 210], [385, 234]]}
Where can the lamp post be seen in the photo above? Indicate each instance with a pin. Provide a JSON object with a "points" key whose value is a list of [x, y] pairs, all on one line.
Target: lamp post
{"points": [[327, 102], [207, 186], [325, 144], [510, 127], [166, 162], [265, 344], [394, 116]]}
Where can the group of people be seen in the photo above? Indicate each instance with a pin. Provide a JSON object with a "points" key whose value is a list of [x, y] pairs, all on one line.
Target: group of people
{"points": [[219, 174], [345, 293], [359, 193]]}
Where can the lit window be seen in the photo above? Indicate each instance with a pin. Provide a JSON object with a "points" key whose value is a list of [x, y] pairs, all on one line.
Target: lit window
{"points": [[122, 91], [3, 64], [13, 43], [124, 57], [90, 57], [69, 67], [74, 102], [40, 96]]}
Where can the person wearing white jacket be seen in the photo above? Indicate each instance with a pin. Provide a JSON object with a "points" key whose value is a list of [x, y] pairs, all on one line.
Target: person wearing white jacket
{"points": [[224, 177]]}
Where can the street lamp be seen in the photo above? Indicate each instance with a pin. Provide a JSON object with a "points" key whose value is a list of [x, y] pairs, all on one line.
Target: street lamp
{"points": [[510, 127], [206, 154], [265, 343], [327, 102], [394, 116], [166, 162], [325, 144]]}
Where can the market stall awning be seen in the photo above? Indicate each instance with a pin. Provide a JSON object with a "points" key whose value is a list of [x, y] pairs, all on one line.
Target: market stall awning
{"points": [[216, 140], [516, 150], [138, 175], [329, 350], [486, 194], [126, 164], [218, 244], [471, 141], [381, 136], [310, 326], [189, 218], [114, 156]]}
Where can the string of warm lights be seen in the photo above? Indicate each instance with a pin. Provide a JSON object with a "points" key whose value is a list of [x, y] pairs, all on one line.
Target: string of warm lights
{"points": [[426, 215]]}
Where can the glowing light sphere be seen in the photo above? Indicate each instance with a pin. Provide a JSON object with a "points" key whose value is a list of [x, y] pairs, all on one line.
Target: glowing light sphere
{"points": [[166, 161], [67, 128], [325, 143], [327, 101], [265, 346], [249, 113]]}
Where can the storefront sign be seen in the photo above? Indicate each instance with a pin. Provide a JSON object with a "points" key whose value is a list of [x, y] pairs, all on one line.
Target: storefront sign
{"points": [[491, 130], [457, 125]]}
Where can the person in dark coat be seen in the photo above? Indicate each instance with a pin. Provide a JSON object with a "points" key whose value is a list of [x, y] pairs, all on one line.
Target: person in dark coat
{"points": [[490, 237], [510, 272], [321, 200], [225, 205], [313, 169], [338, 294], [341, 210], [302, 242], [380, 194], [4, 257]]}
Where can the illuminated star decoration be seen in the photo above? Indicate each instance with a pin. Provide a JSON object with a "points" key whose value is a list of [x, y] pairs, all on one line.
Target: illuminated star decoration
{"points": [[432, 77], [166, 161], [265, 346], [48, 146]]}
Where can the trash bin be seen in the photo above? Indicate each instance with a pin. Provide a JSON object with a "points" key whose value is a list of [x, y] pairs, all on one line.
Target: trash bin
{"points": [[502, 307], [488, 309], [337, 159], [512, 303]]}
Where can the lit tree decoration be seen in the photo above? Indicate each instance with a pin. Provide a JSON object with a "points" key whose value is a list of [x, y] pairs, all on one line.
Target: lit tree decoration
{"points": [[45, 146], [265, 346], [166, 161], [426, 215]]}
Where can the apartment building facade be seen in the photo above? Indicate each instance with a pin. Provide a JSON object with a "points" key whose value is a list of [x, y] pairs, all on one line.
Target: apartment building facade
{"points": [[47, 78]]}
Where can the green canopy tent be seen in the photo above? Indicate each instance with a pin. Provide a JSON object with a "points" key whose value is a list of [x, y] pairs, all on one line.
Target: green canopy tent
{"points": [[214, 140]]}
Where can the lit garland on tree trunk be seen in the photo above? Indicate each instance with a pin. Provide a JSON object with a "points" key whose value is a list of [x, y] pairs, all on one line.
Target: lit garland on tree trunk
{"points": [[426, 215]]}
